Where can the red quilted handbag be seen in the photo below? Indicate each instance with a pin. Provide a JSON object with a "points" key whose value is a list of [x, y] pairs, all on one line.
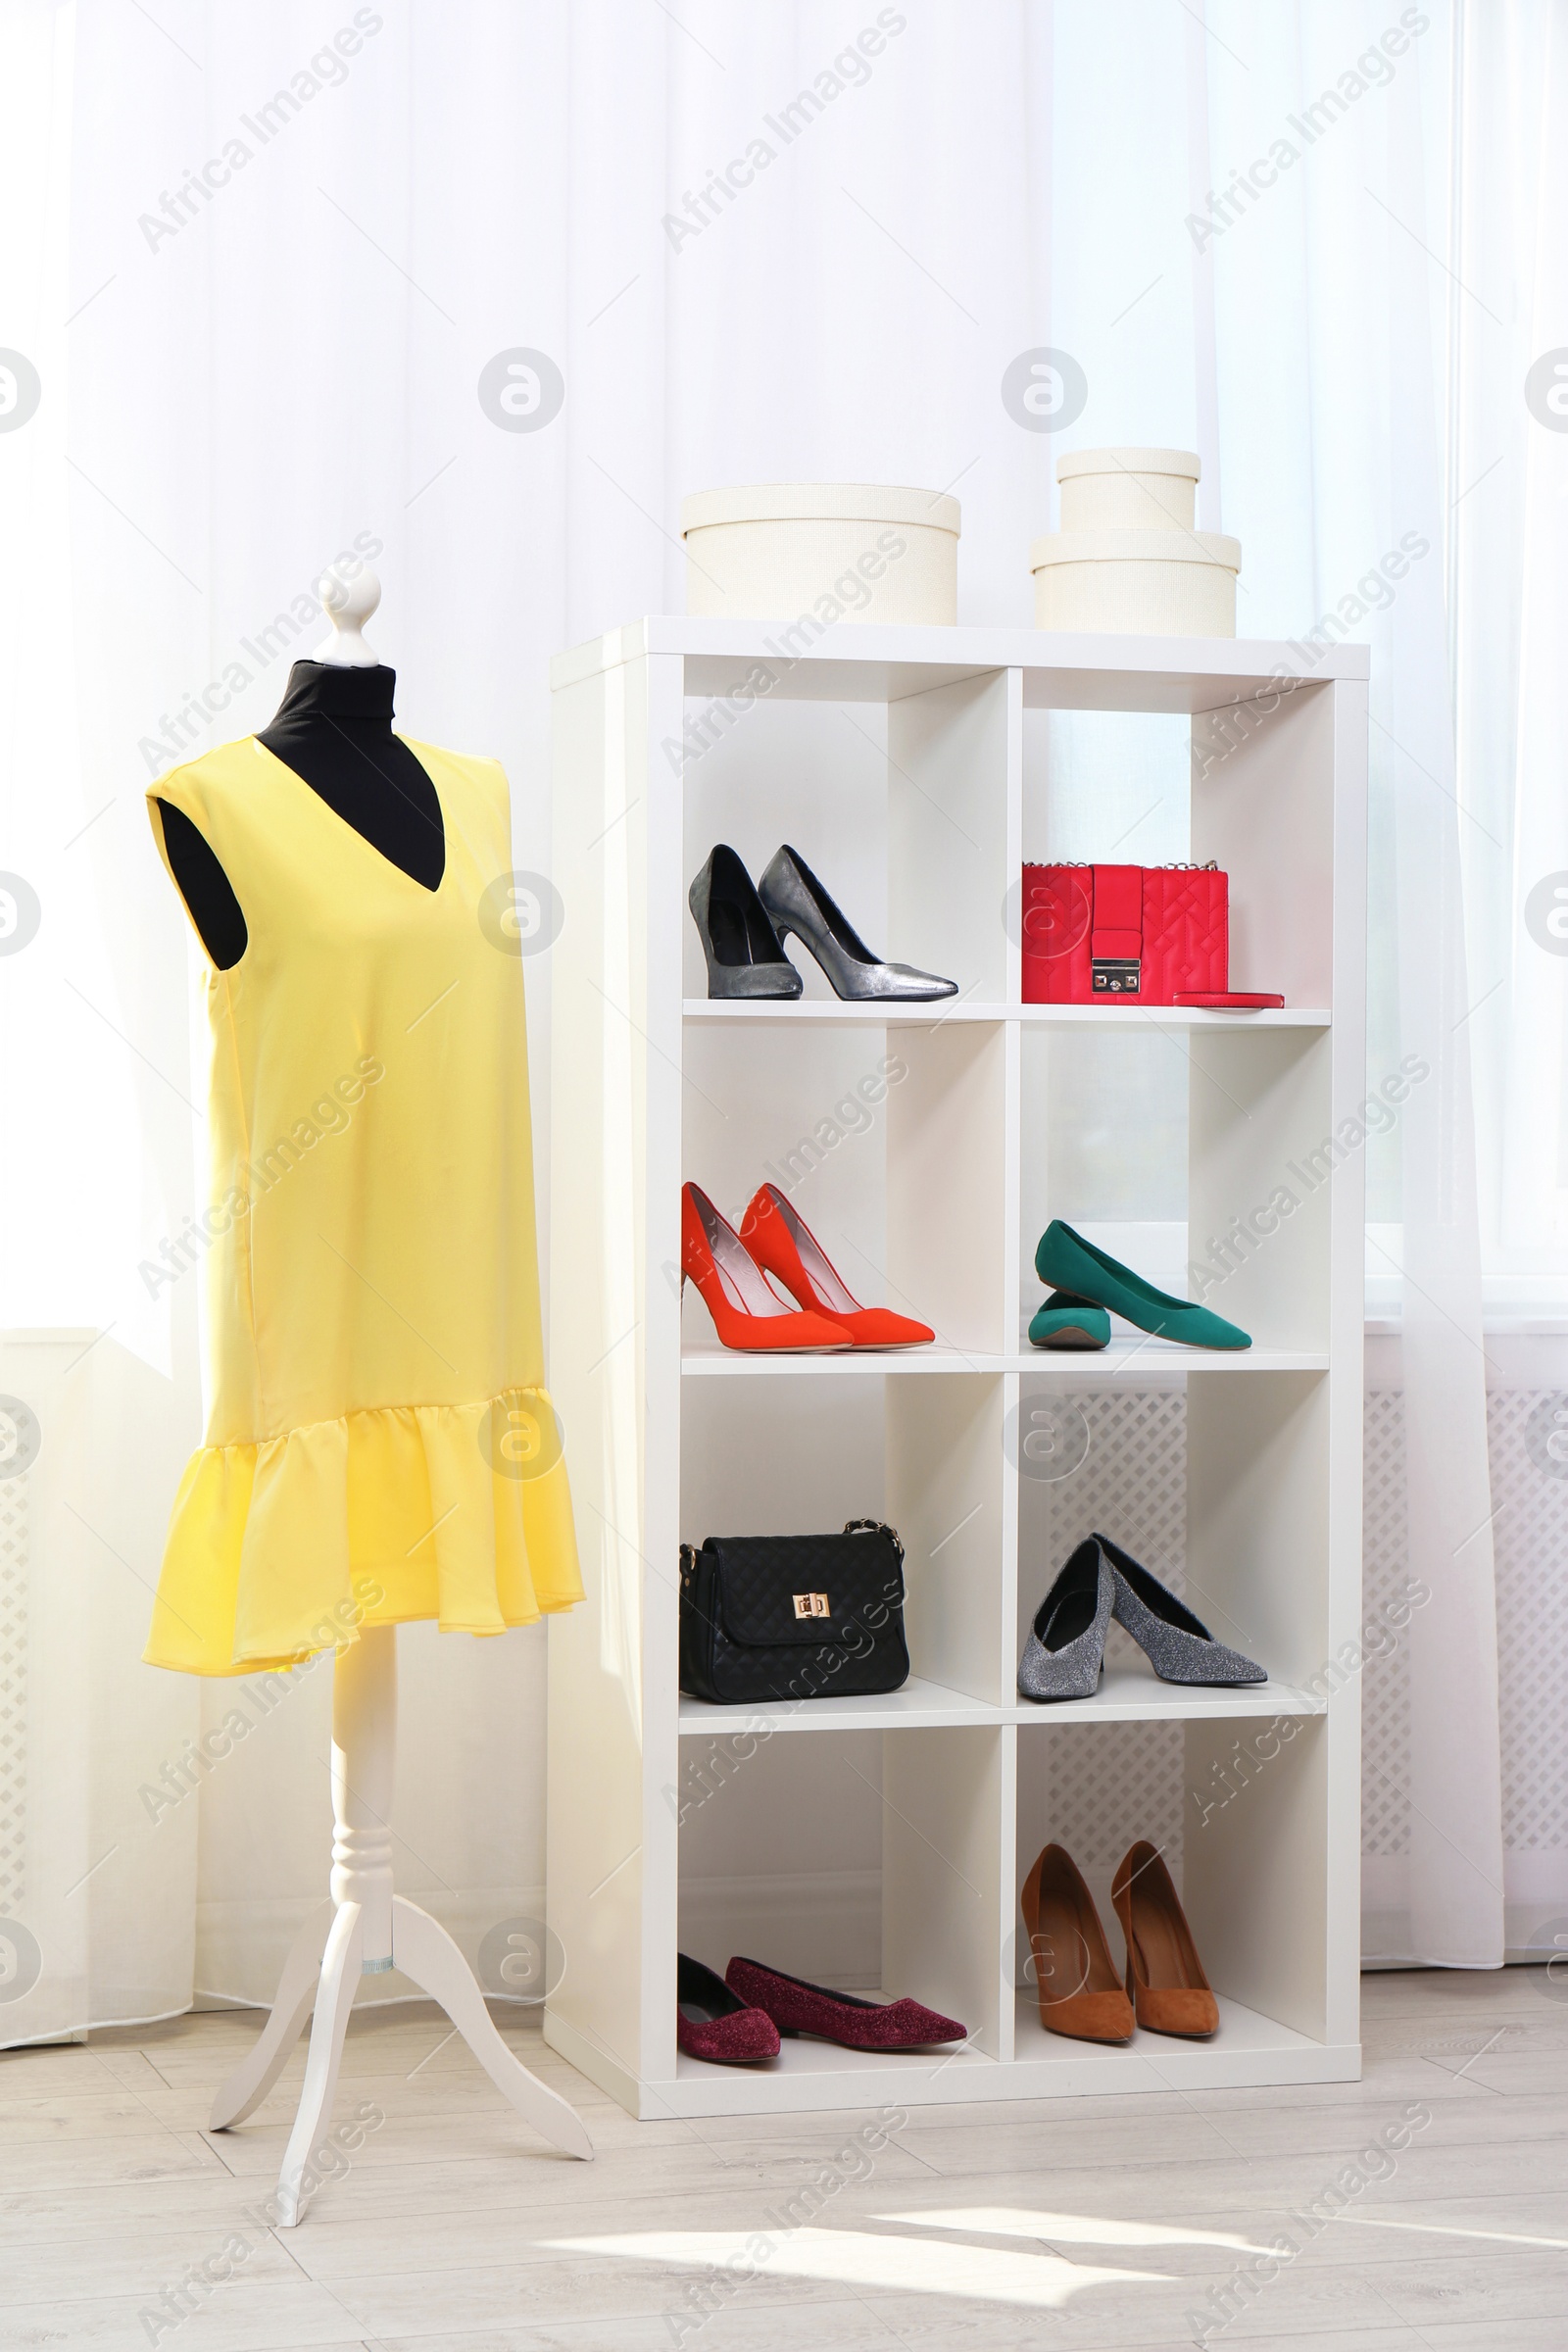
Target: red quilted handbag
{"points": [[1155, 933]]}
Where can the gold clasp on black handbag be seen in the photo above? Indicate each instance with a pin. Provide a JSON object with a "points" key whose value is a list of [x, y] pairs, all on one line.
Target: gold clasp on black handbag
{"points": [[813, 1604]]}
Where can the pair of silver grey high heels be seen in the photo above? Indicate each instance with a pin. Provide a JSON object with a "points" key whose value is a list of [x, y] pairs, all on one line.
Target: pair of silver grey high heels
{"points": [[1066, 1644], [742, 931]]}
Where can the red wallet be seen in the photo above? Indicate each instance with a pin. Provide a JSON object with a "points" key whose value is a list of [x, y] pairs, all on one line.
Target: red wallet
{"points": [[1232, 999], [1158, 934]]}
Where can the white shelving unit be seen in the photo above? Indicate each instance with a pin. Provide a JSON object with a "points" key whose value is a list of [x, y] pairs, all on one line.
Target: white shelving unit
{"points": [[896, 760]]}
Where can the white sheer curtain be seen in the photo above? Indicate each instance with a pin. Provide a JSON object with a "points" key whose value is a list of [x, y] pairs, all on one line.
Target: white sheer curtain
{"points": [[1509, 569], [1510, 618], [258, 258]]}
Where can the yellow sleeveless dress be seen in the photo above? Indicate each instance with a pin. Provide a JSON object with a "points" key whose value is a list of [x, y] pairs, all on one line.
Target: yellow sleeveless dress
{"points": [[380, 1446]]}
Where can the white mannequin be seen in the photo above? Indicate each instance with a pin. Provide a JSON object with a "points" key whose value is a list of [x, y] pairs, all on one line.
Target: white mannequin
{"points": [[365, 1927], [347, 603]]}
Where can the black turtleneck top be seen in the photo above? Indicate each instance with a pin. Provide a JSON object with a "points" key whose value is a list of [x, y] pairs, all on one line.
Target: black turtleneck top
{"points": [[334, 729]]}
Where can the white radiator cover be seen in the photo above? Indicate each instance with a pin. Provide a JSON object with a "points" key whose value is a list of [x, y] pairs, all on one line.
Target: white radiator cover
{"points": [[15, 1569]]}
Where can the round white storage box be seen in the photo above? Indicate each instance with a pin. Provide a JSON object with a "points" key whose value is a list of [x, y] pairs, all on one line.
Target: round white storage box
{"points": [[1127, 559], [773, 550], [1127, 489], [1147, 584]]}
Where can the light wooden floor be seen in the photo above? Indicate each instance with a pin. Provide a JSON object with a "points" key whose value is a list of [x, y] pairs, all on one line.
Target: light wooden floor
{"points": [[1082, 2223]]}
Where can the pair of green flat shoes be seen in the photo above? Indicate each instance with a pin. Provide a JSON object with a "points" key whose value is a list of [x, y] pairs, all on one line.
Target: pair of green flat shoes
{"points": [[1086, 1283]]}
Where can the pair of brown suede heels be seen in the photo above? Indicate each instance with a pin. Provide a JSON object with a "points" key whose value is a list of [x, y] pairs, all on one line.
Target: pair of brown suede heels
{"points": [[1164, 1989]]}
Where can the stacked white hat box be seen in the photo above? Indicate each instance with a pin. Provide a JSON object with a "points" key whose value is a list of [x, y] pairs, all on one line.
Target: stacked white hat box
{"points": [[1128, 556]]}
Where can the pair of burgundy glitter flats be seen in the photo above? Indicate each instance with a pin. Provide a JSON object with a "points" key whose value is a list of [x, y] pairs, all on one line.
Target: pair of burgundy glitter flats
{"points": [[736, 2019]]}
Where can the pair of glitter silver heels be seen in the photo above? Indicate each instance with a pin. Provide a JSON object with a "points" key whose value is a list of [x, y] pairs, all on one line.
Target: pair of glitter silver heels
{"points": [[1066, 1646], [742, 930]]}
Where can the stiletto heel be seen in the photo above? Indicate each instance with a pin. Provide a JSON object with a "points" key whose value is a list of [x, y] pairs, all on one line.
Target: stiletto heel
{"points": [[747, 1311], [794, 900], [784, 1246], [744, 953], [1165, 1979], [1081, 1994], [1177, 1645]]}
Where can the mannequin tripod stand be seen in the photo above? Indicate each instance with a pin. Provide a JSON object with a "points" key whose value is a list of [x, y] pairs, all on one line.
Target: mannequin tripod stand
{"points": [[364, 1929]]}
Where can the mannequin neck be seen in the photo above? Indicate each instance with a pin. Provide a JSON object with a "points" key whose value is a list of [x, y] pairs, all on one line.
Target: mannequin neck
{"points": [[321, 696], [334, 729]]}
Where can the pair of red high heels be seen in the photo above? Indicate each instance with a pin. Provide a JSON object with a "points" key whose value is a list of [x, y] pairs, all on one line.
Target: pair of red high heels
{"points": [[742, 1277]]}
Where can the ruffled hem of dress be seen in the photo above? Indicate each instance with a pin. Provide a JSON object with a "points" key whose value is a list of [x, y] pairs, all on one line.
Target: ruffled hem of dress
{"points": [[278, 1548]]}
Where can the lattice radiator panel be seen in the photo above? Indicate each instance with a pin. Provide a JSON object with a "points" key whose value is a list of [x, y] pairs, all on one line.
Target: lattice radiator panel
{"points": [[1127, 1781], [1528, 1442], [1132, 1483], [14, 1566], [1385, 1680]]}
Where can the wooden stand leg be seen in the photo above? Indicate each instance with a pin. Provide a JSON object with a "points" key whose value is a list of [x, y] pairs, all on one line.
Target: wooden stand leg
{"points": [[248, 2086], [368, 1929], [423, 1950], [334, 1998], [365, 1751]]}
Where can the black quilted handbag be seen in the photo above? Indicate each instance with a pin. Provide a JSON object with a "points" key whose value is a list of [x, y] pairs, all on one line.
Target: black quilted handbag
{"points": [[781, 1617]]}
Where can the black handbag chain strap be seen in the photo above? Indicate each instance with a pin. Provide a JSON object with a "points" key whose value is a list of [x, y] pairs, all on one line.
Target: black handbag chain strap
{"points": [[851, 1527], [876, 1526]]}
